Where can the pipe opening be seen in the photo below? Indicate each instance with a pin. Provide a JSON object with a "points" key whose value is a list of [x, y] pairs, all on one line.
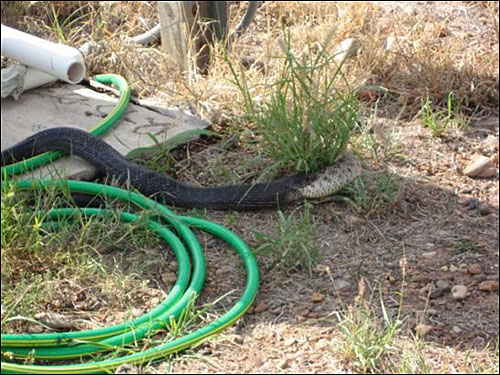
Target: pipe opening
{"points": [[76, 72]]}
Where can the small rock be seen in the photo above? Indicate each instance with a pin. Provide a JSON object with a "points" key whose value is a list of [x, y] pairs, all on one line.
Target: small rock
{"points": [[260, 308], [475, 269], [238, 339], [429, 255], [423, 329], [340, 284], [463, 268], [169, 277], [481, 166], [456, 329], [432, 312], [283, 364], [445, 268], [127, 369], [137, 312], [354, 221], [436, 293], [459, 292], [443, 284], [391, 43], [473, 203], [346, 48], [317, 297], [484, 209], [479, 277], [453, 268], [491, 141], [489, 286]]}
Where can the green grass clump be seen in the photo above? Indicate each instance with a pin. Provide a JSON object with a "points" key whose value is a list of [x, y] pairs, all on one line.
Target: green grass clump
{"points": [[293, 245], [307, 119], [438, 120]]}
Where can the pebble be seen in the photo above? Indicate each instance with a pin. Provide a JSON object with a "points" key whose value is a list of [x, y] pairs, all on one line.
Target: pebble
{"points": [[432, 312], [436, 293], [354, 221], [489, 286], [491, 141], [481, 166], [347, 48], [392, 42], [453, 268], [340, 284], [317, 297], [260, 308], [456, 329], [429, 255], [443, 284], [238, 339], [484, 209], [136, 312], [283, 364], [459, 292], [463, 268], [423, 329], [169, 277], [475, 269]]}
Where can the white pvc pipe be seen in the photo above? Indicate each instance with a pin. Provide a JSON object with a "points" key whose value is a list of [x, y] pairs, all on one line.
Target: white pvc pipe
{"points": [[35, 78], [61, 61]]}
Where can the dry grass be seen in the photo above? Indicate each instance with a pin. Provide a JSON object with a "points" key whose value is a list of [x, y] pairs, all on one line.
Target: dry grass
{"points": [[433, 53]]}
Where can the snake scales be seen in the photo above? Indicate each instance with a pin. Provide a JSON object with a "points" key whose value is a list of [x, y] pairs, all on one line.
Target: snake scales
{"points": [[107, 160]]}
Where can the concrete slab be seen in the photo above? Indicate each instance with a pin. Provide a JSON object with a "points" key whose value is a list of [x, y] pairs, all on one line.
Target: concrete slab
{"points": [[81, 107]]}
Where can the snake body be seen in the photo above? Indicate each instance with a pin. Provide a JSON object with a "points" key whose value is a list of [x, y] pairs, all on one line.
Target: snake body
{"points": [[256, 196]]}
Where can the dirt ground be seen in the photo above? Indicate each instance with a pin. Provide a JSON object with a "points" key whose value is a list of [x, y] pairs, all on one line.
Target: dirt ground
{"points": [[436, 236], [442, 230]]}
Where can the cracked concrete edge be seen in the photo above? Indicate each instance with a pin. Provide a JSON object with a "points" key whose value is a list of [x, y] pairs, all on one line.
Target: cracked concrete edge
{"points": [[79, 106]]}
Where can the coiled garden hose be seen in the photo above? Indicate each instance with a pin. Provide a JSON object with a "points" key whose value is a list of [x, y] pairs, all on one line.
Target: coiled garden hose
{"points": [[189, 254]]}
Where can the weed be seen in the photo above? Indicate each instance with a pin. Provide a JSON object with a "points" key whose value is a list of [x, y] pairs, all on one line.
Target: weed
{"points": [[367, 342], [370, 195], [160, 155], [466, 246], [48, 262], [307, 121], [437, 120], [293, 245]]}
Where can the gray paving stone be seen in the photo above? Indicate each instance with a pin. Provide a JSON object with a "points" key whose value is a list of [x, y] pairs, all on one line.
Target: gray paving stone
{"points": [[81, 107]]}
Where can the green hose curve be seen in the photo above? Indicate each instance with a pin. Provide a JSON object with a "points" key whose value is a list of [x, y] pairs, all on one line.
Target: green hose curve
{"points": [[97, 130], [67, 345]]}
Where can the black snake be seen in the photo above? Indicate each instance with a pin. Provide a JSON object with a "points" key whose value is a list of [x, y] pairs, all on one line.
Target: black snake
{"points": [[107, 160]]}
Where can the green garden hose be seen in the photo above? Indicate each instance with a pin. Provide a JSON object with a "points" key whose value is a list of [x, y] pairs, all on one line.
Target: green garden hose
{"points": [[67, 345], [97, 130]]}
